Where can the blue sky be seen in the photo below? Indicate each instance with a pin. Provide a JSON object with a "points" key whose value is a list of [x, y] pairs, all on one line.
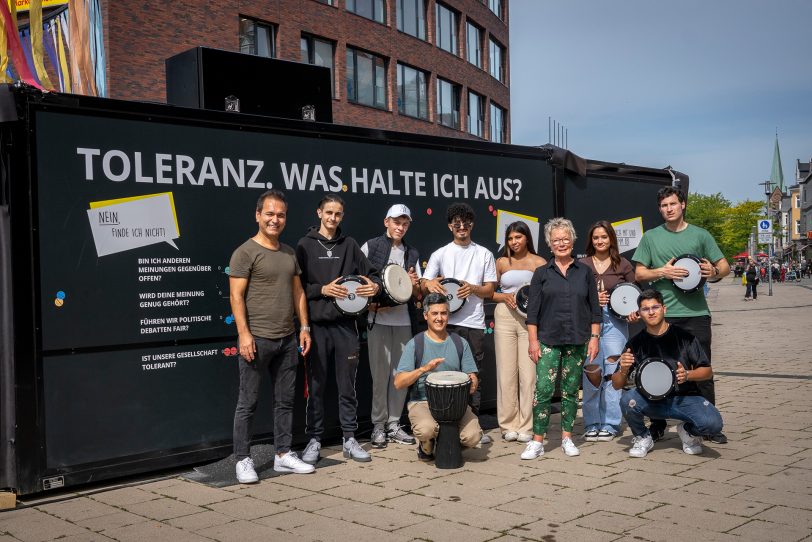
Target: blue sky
{"points": [[701, 85]]}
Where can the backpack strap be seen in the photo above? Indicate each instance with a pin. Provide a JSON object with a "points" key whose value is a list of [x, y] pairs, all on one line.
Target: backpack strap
{"points": [[457, 340]]}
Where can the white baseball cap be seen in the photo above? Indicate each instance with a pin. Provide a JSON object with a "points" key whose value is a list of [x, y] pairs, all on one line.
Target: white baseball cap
{"points": [[399, 210]]}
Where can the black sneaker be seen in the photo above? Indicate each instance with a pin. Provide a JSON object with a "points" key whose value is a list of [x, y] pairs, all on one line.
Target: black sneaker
{"points": [[657, 429], [423, 456]]}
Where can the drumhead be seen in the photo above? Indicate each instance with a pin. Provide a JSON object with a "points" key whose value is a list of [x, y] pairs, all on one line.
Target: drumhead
{"points": [[396, 283], [623, 299], [452, 286], [523, 299], [655, 379], [694, 280], [353, 303], [447, 378]]}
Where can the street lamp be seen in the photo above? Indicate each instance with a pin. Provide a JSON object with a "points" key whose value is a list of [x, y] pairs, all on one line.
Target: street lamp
{"points": [[768, 191]]}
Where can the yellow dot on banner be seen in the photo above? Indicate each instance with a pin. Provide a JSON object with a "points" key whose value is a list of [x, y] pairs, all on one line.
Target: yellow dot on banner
{"points": [[58, 302], [344, 187]]}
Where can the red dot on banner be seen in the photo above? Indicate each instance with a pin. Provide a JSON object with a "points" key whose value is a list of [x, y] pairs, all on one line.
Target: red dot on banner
{"points": [[495, 213], [233, 350], [490, 208], [226, 352], [491, 324], [428, 211]]}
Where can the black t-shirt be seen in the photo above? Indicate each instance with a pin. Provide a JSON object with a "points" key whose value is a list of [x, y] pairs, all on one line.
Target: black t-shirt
{"points": [[674, 345]]}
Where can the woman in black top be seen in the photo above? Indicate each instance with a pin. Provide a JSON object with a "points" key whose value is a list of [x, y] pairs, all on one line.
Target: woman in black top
{"points": [[563, 325]]}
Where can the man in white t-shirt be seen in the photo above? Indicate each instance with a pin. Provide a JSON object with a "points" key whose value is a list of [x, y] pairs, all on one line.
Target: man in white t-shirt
{"points": [[475, 267], [390, 328]]}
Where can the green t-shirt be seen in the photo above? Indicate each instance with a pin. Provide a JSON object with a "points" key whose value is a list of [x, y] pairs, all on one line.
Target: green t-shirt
{"points": [[659, 245]]}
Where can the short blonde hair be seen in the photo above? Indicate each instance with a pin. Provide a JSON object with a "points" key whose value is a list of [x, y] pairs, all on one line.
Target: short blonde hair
{"points": [[559, 224]]}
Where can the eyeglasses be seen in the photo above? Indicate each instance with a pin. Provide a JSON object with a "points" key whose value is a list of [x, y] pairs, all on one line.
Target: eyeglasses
{"points": [[560, 241], [651, 310], [462, 225]]}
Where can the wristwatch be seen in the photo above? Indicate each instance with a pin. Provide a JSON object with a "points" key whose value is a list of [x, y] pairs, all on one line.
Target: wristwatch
{"points": [[595, 336]]}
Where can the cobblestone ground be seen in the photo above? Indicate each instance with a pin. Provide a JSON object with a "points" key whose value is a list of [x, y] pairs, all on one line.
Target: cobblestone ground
{"points": [[756, 487]]}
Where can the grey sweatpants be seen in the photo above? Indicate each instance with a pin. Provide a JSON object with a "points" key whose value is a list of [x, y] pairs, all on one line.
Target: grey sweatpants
{"points": [[385, 345]]}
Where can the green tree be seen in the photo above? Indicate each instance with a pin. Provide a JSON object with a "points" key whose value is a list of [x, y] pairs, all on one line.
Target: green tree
{"points": [[738, 224], [708, 212]]}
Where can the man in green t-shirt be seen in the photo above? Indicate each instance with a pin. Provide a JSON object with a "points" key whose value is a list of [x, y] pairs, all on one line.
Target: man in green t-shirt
{"points": [[654, 263]]}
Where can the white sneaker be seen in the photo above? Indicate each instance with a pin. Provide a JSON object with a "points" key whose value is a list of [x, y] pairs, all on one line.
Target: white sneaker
{"points": [[534, 449], [691, 445], [524, 437], [290, 462], [485, 439], [641, 446], [245, 472], [569, 447], [511, 436]]}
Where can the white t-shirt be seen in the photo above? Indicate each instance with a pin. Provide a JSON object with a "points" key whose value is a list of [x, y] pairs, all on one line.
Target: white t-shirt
{"points": [[398, 315], [472, 263]]}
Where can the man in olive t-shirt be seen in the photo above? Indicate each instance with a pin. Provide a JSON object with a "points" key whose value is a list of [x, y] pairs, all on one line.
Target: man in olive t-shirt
{"points": [[654, 260], [265, 292]]}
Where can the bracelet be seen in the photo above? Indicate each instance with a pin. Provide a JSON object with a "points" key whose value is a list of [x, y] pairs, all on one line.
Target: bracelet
{"points": [[595, 336], [305, 328]]}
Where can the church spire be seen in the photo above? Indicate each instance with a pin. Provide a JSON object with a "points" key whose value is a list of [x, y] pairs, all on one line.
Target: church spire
{"points": [[777, 175]]}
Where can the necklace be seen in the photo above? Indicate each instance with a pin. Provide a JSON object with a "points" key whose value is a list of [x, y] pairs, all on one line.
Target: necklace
{"points": [[601, 266], [328, 249]]}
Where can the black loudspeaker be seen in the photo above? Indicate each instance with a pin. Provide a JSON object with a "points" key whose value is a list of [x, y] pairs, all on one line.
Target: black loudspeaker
{"points": [[228, 81]]}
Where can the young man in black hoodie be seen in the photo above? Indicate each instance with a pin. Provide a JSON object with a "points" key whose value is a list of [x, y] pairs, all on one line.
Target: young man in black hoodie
{"points": [[325, 255]]}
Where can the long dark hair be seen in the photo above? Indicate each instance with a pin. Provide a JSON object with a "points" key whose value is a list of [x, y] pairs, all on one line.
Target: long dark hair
{"points": [[518, 227], [614, 253]]}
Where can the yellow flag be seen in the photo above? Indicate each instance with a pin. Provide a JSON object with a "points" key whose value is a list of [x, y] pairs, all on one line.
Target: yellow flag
{"points": [[35, 14]]}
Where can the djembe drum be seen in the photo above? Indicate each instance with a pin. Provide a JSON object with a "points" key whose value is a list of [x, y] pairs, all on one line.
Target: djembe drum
{"points": [[447, 394]]}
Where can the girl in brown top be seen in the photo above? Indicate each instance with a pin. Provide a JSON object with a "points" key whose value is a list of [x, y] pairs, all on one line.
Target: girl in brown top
{"points": [[601, 404]]}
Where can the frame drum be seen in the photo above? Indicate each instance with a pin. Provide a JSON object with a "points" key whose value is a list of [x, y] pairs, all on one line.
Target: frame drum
{"points": [[623, 299], [655, 379], [452, 286], [353, 304], [694, 281]]}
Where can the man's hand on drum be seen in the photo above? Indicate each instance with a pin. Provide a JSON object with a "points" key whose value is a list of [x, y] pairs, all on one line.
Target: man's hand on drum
{"points": [[413, 276], [433, 285], [334, 290], [474, 382], [603, 297], [247, 346], [370, 289], [465, 290], [706, 268], [430, 366], [669, 271], [682, 374], [633, 317], [534, 350], [626, 361]]}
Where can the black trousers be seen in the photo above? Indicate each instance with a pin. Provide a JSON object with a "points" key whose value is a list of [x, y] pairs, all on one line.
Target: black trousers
{"points": [[279, 357], [476, 340], [336, 343]]}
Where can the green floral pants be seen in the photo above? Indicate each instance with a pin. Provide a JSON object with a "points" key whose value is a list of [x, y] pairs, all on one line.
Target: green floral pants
{"points": [[570, 357]]}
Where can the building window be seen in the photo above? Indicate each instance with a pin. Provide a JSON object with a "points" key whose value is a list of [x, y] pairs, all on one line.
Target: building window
{"points": [[319, 52], [328, 2], [797, 227], [446, 29], [257, 38], [412, 17], [412, 92], [496, 7], [448, 103], [498, 132], [797, 200], [366, 78], [476, 114], [497, 56], [473, 44], [371, 9]]}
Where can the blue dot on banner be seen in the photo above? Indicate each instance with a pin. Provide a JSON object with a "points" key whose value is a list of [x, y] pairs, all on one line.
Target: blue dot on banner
{"points": [[60, 294], [227, 270], [229, 319]]}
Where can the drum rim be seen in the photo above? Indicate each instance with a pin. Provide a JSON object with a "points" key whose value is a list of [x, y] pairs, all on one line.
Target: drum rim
{"points": [[702, 279], [611, 293], [518, 309], [386, 288], [638, 374], [438, 373]]}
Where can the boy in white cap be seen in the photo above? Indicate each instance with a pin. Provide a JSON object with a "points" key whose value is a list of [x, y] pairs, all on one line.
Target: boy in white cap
{"points": [[390, 328]]}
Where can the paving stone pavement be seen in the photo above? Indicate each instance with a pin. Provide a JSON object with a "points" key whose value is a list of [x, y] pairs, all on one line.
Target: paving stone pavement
{"points": [[756, 487]]}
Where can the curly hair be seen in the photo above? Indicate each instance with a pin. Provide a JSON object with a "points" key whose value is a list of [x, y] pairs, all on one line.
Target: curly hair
{"points": [[559, 223], [460, 210]]}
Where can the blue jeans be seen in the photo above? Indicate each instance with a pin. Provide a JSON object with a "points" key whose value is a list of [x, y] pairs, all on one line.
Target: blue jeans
{"points": [[601, 405], [700, 416]]}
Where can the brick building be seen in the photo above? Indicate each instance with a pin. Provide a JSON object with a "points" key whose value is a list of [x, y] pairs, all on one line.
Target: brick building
{"points": [[423, 66]]}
